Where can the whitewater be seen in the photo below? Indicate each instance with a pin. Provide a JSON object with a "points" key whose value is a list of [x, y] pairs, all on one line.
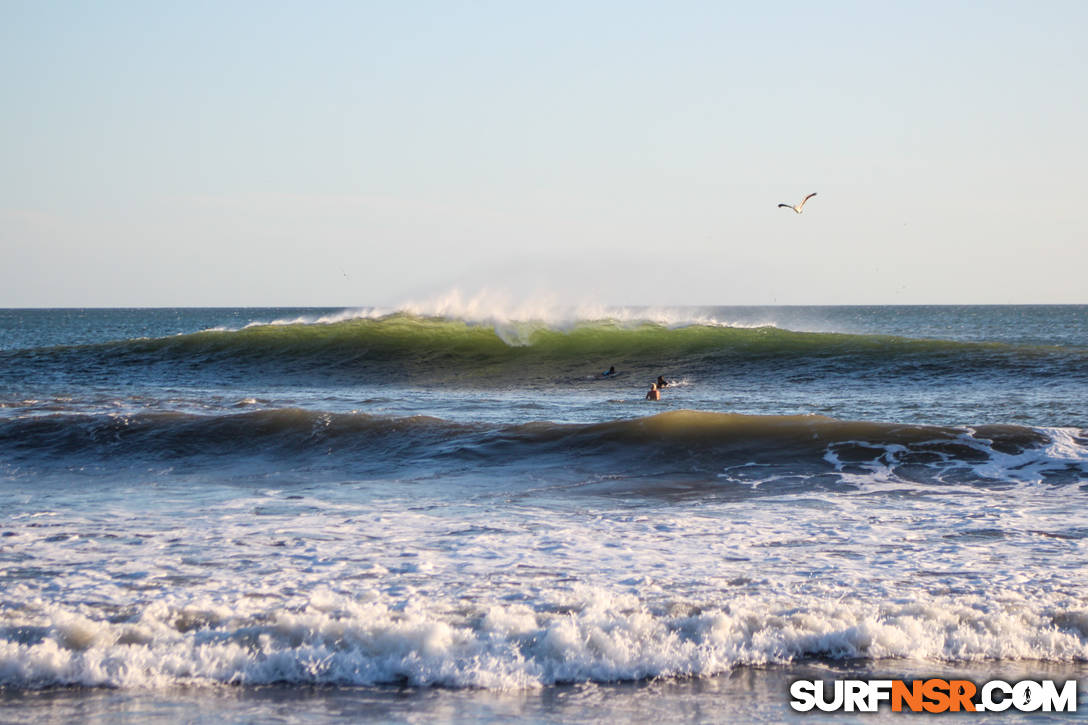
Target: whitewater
{"points": [[446, 510]]}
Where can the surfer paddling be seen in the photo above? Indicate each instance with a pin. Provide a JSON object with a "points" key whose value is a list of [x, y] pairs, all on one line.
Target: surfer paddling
{"points": [[662, 382]]}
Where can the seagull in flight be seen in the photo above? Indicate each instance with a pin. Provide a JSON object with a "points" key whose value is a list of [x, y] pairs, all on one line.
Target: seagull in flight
{"points": [[797, 207]]}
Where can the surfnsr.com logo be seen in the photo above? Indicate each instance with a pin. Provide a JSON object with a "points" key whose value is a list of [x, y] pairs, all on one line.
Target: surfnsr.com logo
{"points": [[934, 695]]}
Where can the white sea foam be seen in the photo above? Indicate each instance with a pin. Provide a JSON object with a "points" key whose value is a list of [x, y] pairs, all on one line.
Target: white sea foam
{"points": [[1035, 465], [281, 587], [1064, 444], [601, 635]]}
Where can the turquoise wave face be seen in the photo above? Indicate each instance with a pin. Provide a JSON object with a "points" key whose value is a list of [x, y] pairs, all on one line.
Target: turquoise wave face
{"points": [[441, 351]]}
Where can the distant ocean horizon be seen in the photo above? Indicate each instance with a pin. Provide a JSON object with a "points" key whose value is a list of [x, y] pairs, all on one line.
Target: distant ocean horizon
{"points": [[455, 511]]}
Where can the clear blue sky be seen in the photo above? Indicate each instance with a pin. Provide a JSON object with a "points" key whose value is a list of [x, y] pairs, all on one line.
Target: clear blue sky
{"points": [[359, 153]]}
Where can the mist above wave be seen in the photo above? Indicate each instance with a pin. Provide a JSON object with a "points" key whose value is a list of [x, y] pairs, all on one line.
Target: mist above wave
{"points": [[513, 319]]}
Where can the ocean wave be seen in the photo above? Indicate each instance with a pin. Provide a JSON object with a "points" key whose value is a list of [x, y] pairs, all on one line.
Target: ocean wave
{"points": [[709, 451], [596, 635], [438, 350]]}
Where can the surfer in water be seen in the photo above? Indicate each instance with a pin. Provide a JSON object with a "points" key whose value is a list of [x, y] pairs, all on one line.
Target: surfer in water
{"points": [[662, 382], [611, 371], [653, 393]]}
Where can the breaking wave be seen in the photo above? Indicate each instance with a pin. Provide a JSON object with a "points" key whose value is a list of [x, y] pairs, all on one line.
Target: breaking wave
{"points": [[723, 448], [401, 347], [330, 638]]}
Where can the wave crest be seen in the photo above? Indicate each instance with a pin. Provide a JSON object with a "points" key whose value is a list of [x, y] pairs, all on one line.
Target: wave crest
{"points": [[676, 453], [443, 351]]}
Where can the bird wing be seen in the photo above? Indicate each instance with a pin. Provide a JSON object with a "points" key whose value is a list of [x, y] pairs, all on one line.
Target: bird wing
{"points": [[786, 205], [798, 207]]}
